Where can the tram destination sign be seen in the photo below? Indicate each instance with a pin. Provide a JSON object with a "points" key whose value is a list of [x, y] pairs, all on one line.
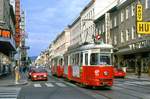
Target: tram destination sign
{"points": [[143, 27]]}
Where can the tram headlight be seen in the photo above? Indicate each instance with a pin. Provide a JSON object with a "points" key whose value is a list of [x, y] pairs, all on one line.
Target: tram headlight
{"points": [[106, 73]]}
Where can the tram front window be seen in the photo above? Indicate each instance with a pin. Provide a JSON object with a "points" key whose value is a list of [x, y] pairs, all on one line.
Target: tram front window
{"points": [[100, 59], [104, 60]]}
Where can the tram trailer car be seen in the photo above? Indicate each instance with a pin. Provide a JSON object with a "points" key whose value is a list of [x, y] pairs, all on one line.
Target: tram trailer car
{"points": [[57, 66], [90, 65]]}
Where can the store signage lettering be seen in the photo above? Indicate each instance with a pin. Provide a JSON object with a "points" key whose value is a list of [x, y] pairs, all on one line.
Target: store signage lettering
{"points": [[143, 27], [143, 44], [139, 12], [5, 33]]}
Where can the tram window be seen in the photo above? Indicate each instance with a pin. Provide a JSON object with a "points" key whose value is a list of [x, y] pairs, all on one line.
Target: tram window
{"points": [[66, 60], [61, 61], [81, 58], [94, 59], [104, 59], [86, 59], [77, 59]]}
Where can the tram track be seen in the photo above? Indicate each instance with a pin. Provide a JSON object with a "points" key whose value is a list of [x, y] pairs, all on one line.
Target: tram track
{"points": [[99, 93], [139, 90], [116, 92]]}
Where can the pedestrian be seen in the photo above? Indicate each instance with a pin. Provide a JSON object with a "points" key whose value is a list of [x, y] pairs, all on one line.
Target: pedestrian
{"points": [[24, 69], [139, 68]]}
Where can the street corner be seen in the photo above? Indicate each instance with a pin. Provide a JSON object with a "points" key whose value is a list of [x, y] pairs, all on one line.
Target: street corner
{"points": [[22, 82]]}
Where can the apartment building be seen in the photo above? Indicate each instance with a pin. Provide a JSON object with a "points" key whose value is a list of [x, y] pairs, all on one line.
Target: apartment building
{"points": [[7, 30], [61, 43]]}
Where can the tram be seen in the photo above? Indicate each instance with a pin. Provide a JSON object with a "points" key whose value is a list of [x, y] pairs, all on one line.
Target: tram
{"points": [[57, 66], [90, 65]]}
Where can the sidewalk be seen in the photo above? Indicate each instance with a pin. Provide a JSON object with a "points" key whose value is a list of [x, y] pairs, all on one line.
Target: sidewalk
{"points": [[144, 77], [9, 80]]}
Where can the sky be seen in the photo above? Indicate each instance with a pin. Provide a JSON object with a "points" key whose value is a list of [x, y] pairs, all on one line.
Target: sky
{"points": [[45, 19]]}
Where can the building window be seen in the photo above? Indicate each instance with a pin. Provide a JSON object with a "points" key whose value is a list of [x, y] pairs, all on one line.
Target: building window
{"points": [[111, 24], [127, 34], [147, 4], [127, 12], [115, 21], [122, 16], [122, 37], [115, 40], [133, 9], [133, 32]]}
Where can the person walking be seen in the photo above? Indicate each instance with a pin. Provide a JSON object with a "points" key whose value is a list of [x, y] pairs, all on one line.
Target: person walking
{"points": [[139, 68]]}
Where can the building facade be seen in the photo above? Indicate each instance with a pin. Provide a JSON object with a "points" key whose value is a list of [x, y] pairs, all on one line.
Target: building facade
{"points": [[61, 43], [129, 46], [7, 31]]}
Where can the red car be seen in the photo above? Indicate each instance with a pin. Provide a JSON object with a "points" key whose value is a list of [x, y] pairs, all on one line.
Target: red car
{"points": [[39, 74], [119, 73]]}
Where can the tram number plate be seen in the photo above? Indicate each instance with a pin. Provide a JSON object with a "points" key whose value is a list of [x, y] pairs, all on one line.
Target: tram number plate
{"points": [[104, 83]]}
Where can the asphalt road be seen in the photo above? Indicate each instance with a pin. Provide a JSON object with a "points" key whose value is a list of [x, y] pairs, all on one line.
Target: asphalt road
{"points": [[58, 88], [52, 89]]}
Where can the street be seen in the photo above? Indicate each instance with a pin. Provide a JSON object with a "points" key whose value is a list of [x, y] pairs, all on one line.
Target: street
{"points": [[56, 88]]}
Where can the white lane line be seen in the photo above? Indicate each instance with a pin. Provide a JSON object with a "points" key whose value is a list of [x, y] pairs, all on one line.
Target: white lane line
{"points": [[61, 85], [49, 84], [37, 85]]}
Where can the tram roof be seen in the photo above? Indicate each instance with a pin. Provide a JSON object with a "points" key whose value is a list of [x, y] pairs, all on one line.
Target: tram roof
{"points": [[90, 46]]}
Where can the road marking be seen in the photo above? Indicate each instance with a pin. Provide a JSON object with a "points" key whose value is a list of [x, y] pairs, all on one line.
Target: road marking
{"points": [[49, 84], [9, 92], [37, 85], [61, 85]]}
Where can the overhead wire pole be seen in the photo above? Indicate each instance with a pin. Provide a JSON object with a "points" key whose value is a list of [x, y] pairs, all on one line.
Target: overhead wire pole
{"points": [[17, 37]]}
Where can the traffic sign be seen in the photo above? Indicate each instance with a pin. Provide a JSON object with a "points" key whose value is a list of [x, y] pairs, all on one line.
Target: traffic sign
{"points": [[143, 27], [139, 12]]}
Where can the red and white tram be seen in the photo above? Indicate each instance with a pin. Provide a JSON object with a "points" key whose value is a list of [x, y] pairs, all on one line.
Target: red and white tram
{"points": [[89, 65], [57, 66]]}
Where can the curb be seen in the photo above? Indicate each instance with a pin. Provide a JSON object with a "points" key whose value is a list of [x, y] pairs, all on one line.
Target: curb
{"points": [[138, 79], [19, 84]]}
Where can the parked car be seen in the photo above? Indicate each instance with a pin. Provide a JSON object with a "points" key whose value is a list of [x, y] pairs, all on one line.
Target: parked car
{"points": [[118, 72], [39, 74]]}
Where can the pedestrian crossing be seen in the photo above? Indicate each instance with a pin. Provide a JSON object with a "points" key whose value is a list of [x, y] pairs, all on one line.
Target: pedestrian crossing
{"points": [[9, 92], [56, 84]]}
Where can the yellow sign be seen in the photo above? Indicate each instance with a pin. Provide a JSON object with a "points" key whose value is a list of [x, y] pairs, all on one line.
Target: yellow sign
{"points": [[139, 12], [143, 27]]}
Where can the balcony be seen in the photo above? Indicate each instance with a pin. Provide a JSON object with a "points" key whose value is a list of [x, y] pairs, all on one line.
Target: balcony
{"points": [[7, 42]]}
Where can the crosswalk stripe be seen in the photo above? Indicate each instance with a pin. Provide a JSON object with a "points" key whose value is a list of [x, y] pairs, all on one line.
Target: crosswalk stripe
{"points": [[37, 85], [61, 84], [9, 93], [49, 84]]}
